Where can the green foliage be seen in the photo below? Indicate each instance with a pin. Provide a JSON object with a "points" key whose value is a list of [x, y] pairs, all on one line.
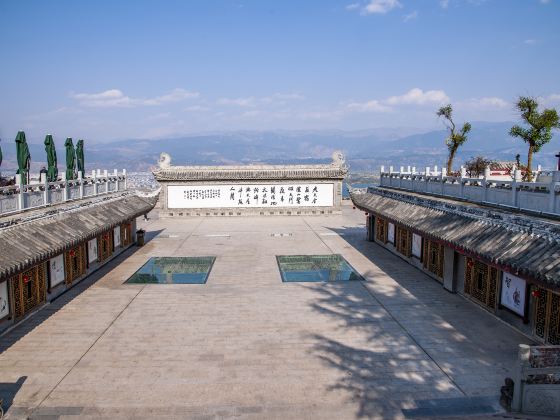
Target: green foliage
{"points": [[540, 125], [456, 137], [476, 165]]}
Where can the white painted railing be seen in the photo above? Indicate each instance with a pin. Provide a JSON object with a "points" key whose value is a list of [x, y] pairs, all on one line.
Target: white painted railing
{"points": [[542, 196], [19, 197]]}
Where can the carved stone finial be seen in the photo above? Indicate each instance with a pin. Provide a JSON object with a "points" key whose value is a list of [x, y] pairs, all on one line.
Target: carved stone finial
{"points": [[164, 161], [338, 158]]}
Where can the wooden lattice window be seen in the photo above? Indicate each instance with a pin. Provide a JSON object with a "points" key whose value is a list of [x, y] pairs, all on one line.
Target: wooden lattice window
{"points": [[29, 289], [433, 257], [481, 282], [547, 316], [126, 234], [404, 241], [381, 230], [75, 263], [105, 245]]}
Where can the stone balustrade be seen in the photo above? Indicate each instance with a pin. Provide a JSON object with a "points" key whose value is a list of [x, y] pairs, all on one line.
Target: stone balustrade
{"points": [[542, 196], [537, 381], [19, 197]]}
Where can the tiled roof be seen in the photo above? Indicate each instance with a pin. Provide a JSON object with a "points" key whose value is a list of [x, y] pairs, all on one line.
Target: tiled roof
{"points": [[28, 243], [526, 246], [250, 172]]}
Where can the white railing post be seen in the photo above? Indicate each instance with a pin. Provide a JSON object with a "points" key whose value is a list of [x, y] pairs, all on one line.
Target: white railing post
{"points": [[414, 170], [462, 181], [116, 175], [64, 186], [94, 177], [485, 182], [19, 184], [522, 361], [516, 179], [81, 181], [442, 179], [106, 180], [552, 190], [46, 191]]}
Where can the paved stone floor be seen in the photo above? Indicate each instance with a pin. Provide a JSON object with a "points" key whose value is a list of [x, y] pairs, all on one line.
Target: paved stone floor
{"points": [[247, 345]]}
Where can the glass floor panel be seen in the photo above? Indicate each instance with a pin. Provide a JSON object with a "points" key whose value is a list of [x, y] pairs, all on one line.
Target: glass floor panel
{"points": [[174, 270], [315, 268]]}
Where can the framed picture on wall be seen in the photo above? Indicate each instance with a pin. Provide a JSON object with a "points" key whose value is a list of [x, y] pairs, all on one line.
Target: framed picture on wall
{"points": [[56, 269], [4, 307], [513, 293], [391, 233]]}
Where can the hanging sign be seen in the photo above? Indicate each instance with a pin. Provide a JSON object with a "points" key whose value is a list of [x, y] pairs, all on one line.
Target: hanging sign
{"points": [[4, 307], [56, 268], [391, 233], [513, 293], [416, 245], [92, 250], [117, 236]]}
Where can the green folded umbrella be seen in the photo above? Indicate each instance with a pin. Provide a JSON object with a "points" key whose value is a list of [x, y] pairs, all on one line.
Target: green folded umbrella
{"points": [[52, 171], [70, 158], [23, 157], [80, 157]]}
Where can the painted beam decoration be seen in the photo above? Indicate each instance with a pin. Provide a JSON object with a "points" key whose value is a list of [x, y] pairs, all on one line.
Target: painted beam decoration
{"points": [[250, 195]]}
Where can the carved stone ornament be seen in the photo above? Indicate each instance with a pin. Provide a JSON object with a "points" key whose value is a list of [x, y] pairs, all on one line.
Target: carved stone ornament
{"points": [[338, 158], [164, 161]]}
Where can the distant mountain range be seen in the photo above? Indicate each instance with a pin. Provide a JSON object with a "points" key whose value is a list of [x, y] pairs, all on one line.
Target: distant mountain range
{"points": [[366, 150]]}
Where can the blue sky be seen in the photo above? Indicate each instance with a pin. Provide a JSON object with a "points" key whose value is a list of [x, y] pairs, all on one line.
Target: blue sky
{"points": [[106, 70]]}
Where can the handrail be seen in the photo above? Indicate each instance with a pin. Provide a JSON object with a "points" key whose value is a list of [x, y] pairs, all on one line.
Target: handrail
{"points": [[487, 189], [21, 197]]}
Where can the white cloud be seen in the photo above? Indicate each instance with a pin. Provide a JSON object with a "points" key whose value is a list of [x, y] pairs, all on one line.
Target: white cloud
{"points": [[544, 1], [410, 16], [288, 96], [245, 102], [353, 6], [530, 41], [116, 98], [380, 6], [175, 95], [444, 3], [252, 113], [551, 100], [370, 106], [417, 96], [252, 101], [485, 102], [197, 108]]}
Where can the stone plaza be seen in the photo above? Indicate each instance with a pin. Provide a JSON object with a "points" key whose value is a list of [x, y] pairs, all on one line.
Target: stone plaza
{"points": [[245, 344]]}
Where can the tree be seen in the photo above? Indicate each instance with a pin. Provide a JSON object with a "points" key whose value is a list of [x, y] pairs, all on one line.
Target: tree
{"points": [[476, 166], [539, 131], [456, 138]]}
